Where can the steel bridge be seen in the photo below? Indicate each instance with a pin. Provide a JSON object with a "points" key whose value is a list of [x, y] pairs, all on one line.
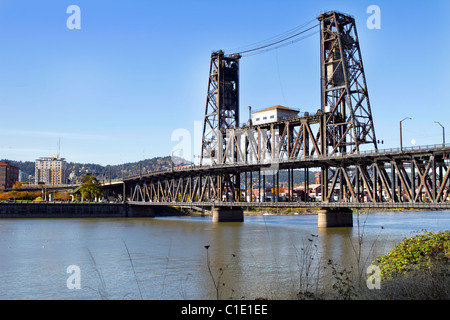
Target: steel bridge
{"points": [[237, 159], [411, 178]]}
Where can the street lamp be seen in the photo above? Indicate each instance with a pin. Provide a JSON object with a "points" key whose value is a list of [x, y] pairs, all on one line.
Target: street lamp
{"points": [[443, 134], [401, 142]]}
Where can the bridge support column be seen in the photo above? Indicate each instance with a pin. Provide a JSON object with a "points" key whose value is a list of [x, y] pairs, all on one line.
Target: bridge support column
{"points": [[331, 218], [227, 214]]}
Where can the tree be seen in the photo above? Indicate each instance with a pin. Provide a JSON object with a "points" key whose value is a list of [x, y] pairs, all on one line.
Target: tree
{"points": [[17, 185], [64, 196], [90, 187]]}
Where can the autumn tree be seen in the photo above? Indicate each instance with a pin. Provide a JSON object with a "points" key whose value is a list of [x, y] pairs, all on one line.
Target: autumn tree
{"points": [[17, 185], [64, 196], [90, 187]]}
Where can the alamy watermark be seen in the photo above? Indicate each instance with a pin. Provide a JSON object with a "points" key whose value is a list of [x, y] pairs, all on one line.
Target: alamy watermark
{"points": [[74, 20], [373, 277], [374, 21], [188, 146], [236, 146], [73, 282]]}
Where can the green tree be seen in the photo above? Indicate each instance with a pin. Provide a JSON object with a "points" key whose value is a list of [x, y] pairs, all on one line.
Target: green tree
{"points": [[90, 187]]}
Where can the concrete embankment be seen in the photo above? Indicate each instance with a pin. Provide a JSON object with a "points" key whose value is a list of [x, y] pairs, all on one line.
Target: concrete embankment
{"points": [[72, 210]]}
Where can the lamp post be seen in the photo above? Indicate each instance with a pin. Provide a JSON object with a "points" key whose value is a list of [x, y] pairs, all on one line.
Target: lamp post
{"points": [[443, 134], [401, 142]]}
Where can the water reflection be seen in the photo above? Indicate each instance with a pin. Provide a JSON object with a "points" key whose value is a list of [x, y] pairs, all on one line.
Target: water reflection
{"points": [[261, 257]]}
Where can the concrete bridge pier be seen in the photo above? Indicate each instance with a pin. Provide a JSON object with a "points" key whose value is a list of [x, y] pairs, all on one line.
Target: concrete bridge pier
{"points": [[223, 214], [335, 217]]}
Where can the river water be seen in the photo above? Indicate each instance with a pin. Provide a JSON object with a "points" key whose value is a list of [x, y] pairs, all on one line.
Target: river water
{"points": [[166, 258]]}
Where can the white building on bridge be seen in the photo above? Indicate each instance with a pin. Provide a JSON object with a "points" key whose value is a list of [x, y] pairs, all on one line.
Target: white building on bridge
{"points": [[273, 114]]}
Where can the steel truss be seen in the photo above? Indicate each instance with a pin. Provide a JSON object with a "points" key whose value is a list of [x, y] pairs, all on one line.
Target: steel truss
{"points": [[397, 180], [396, 177], [293, 139], [248, 157], [344, 94], [222, 104]]}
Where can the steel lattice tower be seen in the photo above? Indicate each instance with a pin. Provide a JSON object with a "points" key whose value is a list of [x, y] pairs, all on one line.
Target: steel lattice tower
{"points": [[222, 105], [345, 102]]}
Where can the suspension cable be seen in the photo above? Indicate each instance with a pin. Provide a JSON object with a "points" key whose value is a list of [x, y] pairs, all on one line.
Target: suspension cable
{"points": [[281, 45], [273, 38], [285, 38]]}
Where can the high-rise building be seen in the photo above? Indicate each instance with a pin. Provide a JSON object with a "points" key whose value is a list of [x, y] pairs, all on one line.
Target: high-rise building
{"points": [[9, 174], [23, 177], [50, 170]]}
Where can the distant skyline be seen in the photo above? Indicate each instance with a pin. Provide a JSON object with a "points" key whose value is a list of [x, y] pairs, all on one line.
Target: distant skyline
{"points": [[116, 90]]}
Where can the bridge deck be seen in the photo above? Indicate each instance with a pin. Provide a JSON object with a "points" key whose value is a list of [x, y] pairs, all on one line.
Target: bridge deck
{"points": [[416, 178], [351, 205], [368, 157]]}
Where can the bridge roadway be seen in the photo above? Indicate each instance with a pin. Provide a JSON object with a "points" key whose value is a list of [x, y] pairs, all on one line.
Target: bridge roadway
{"points": [[318, 205], [363, 157]]}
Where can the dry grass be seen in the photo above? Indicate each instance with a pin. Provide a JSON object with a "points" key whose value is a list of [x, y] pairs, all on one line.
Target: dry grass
{"points": [[431, 284]]}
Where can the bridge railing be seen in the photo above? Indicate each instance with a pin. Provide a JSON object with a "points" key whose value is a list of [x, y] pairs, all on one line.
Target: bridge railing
{"points": [[431, 147]]}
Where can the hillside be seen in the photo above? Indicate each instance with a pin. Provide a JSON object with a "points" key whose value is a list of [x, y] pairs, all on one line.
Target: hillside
{"points": [[146, 166], [117, 171]]}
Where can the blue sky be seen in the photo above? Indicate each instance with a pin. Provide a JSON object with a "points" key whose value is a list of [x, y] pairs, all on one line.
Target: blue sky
{"points": [[115, 90]]}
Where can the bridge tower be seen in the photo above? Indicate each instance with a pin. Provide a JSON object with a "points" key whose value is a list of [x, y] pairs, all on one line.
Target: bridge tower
{"points": [[222, 105], [345, 102], [347, 121]]}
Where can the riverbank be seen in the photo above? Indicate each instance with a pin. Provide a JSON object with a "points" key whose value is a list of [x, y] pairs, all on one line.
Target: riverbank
{"points": [[92, 210], [75, 210]]}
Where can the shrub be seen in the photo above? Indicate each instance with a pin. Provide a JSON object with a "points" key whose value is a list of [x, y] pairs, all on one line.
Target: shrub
{"points": [[420, 252]]}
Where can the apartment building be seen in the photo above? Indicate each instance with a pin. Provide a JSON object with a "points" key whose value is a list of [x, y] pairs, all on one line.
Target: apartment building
{"points": [[9, 174], [50, 170]]}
